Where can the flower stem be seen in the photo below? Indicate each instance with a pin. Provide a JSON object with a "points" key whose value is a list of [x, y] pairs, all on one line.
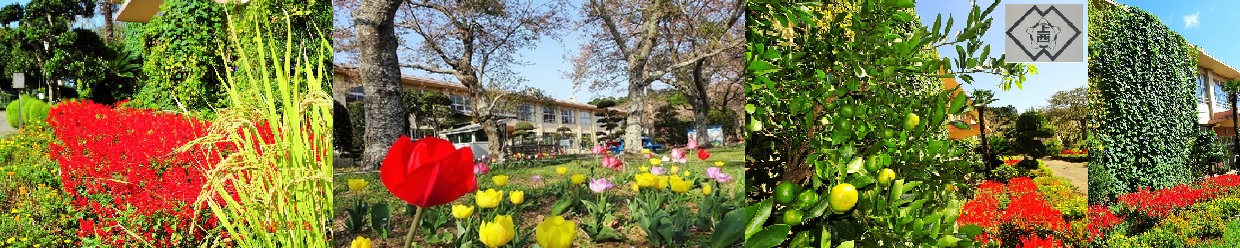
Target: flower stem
{"points": [[417, 219]]}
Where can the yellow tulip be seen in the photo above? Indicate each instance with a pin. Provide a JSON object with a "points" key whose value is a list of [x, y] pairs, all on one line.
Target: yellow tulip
{"points": [[360, 242], [675, 169], [644, 180], [645, 151], [660, 182], [686, 173], [636, 188], [561, 170], [357, 184], [679, 185], [496, 233], [555, 232], [489, 198], [644, 169], [718, 163], [705, 188], [516, 196], [462, 211], [500, 180], [656, 161], [579, 178]]}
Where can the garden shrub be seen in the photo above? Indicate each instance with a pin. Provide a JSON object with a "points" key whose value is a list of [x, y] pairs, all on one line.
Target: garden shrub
{"points": [[33, 110], [34, 211], [1143, 77], [152, 181], [1206, 154], [183, 59]]}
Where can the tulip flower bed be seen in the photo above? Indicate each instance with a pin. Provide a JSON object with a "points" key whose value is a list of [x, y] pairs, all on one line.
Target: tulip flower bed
{"points": [[1202, 214], [1041, 212], [677, 199]]}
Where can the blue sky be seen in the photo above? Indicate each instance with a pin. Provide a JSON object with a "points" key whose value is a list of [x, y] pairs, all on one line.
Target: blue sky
{"points": [[1052, 77], [1204, 23]]}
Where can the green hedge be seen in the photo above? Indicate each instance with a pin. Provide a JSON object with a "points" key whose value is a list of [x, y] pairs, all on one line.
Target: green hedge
{"points": [[1143, 77], [32, 109]]}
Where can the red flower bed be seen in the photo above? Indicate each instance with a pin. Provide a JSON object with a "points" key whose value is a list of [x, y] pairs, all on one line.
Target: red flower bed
{"points": [[1035, 241], [1159, 203], [1074, 152], [1027, 212], [122, 167], [1100, 220]]}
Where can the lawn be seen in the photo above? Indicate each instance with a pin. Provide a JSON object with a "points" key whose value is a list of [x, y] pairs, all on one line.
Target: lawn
{"points": [[540, 197]]}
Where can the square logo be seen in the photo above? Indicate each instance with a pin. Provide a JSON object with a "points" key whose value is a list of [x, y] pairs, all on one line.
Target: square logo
{"points": [[1044, 32]]}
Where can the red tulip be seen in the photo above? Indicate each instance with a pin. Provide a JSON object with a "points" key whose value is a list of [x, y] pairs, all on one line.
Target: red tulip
{"points": [[703, 154], [429, 172], [612, 162]]}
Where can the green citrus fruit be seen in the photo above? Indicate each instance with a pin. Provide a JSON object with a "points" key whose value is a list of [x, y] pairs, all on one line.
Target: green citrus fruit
{"points": [[843, 197], [885, 177], [873, 164], [887, 134], [846, 111], [793, 217], [911, 121], [786, 192], [807, 199]]}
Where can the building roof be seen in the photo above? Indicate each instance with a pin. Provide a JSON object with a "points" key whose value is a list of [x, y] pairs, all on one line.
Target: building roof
{"points": [[448, 86]]}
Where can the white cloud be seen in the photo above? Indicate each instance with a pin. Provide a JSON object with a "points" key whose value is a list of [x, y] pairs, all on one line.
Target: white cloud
{"points": [[1191, 21]]}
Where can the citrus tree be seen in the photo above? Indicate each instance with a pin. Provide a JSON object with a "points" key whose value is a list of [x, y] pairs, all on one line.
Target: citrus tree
{"points": [[847, 118]]}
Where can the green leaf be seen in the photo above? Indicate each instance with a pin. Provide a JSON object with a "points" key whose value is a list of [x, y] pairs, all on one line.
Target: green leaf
{"points": [[846, 244], [728, 231], [905, 4], [768, 237], [757, 215]]}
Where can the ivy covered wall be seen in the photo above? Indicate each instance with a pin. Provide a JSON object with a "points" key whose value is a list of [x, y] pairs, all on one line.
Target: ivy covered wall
{"points": [[1141, 75]]}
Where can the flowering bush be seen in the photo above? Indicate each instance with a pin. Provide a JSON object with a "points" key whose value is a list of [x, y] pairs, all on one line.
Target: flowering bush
{"points": [[126, 168], [1017, 214]]}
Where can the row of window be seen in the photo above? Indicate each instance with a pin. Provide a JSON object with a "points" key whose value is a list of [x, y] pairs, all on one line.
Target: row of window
{"points": [[1220, 96], [526, 112]]}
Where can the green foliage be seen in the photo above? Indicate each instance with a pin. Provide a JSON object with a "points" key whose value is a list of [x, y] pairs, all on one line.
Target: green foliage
{"points": [[357, 116], [183, 63], [832, 87], [380, 219], [118, 76], [1137, 62], [1005, 172], [44, 45], [32, 110], [357, 216], [1031, 129], [669, 128], [1206, 154]]}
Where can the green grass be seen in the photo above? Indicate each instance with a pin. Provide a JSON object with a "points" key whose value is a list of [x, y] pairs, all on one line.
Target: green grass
{"points": [[538, 194]]}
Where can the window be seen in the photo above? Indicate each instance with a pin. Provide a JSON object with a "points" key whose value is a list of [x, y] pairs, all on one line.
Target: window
{"points": [[461, 103], [525, 113], [1201, 87], [566, 116], [1220, 96], [585, 118], [548, 114]]}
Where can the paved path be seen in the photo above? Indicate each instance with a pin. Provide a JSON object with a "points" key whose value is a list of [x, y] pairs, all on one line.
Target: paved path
{"points": [[4, 125], [1076, 173]]}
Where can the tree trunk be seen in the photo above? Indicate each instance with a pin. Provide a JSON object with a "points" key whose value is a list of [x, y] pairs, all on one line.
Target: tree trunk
{"points": [[108, 27], [701, 104], [1235, 132], [495, 144], [986, 160], [633, 125], [379, 72]]}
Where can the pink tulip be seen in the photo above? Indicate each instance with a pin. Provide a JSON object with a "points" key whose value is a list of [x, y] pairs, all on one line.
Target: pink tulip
{"points": [[678, 153], [714, 172], [612, 162], [723, 178], [692, 144], [481, 168], [599, 149], [658, 171], [600, 185]]}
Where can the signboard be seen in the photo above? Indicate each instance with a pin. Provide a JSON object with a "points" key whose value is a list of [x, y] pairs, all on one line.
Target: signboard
{"points": [[713, 133], [1044, 32], [19, 80]]}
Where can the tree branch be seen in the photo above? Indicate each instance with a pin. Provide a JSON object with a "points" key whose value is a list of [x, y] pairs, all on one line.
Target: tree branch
{"points": [[428, 68]]}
